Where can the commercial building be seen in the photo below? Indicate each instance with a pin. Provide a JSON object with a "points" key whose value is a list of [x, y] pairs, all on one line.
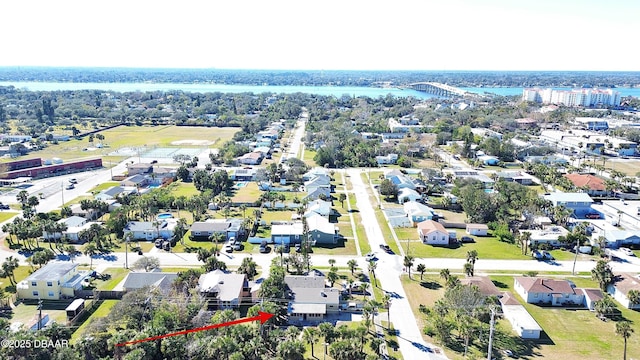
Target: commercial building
{"points": [[53, 170]]}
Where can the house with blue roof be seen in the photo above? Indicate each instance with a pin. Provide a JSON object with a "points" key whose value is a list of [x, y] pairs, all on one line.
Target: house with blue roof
{"points": [[617, 238]]}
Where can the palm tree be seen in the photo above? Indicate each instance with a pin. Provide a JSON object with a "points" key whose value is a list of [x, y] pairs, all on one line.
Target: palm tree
{"points": [[89, 250], [310, 335], [468, 269], [604, 307], [421, 269], [408, 263], [8, 267], [332, 276], [372, 270], [472, 256], [332, 262], [634, 297], [445, 274], [386, 302], [217, 237], [624, 329], [363, 287], [350, 282], [603, 274], [352, 264], [524, 238]]}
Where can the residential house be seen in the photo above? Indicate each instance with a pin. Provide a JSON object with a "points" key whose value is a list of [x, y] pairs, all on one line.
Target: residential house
{"points": [[113, 192], [521, 321], [321, 231], [591, 296], [135, 181], [139, 169], [489, 160], [549, 235], [579, 202], [157, 280], [477, 229], [243, 174], [147, 230], [223, 290], [318, 193], [433, 233], [484, 284], [202, 230], [320, 181], [91, 214], [417, 212], [592, 185], [401, 181], [547, 160], [621, 286], [54, 281], [317, 171], [515, 176], [287, 234], [310, 300], [319, 207], [386, 159], [75, 225], [252, 158], [406, 195], [617, 238], [536, 290], [472, 174]]}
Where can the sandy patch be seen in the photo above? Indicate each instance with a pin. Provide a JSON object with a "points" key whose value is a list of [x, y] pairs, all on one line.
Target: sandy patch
{"points": [[192, 142]]}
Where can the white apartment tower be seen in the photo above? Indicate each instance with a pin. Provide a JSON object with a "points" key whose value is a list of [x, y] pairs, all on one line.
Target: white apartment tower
{"points": [[575, 97]]}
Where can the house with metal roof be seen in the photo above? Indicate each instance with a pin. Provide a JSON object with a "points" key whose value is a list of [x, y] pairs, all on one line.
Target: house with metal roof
{"points": [[54, 281], [223, 290], [521, 321], [202, 230], [579, 202], [286, 234], [321, 231], [417, 212], [310, 301], [549, 235], [147, 230]]}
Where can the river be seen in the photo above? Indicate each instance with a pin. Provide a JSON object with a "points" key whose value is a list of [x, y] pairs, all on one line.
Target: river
{"points": [[337, 91]]}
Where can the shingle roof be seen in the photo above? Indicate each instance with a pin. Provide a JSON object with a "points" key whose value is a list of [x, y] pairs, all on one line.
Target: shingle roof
{"points": [[484, 284], [429, 226], [138, 280], [625, 282], [548, 286]]}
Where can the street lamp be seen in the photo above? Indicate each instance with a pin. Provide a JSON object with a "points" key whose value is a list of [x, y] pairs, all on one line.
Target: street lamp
{"points": [[325, 350]]}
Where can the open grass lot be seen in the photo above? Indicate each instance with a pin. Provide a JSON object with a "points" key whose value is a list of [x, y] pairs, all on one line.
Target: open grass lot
{"points": [[136, 136], [628, 166], [102, 311], [246, 194], [183, 189], [578, 334], [309, 154], [487, 248], [25, 314], [6, 215], [571, 334], [21, 273], [117, 275], [104, 186]]}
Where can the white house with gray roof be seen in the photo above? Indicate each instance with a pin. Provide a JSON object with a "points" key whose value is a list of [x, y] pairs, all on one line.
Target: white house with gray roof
{"points": [[223, 290], [157, 280], [310, 300], [147, 230]]}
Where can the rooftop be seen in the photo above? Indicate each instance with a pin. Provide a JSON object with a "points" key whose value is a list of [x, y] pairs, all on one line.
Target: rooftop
{"points": [[52, 271]]}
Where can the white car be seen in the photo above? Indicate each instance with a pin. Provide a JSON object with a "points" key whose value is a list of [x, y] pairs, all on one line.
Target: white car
{"points": [[627, 251], [370, 257]]}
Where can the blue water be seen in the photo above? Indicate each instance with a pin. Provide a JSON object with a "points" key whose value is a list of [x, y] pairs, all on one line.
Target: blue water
{"points": [[241, 184], [257, 89], [164, 216], [204, 88]]}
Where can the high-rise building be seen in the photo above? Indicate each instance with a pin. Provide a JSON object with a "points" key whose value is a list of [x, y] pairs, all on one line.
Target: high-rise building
{"points": [[574, 97]]}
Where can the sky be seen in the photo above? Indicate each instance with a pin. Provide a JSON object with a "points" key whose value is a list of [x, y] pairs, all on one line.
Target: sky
{"points": [[323, 34]]}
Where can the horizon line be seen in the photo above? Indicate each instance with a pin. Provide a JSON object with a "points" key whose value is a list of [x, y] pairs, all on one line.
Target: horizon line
{"points": [[300, 70]]}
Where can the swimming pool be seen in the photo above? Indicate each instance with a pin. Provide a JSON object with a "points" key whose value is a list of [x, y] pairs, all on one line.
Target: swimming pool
{"points": [[164, 216], [241, 184]]}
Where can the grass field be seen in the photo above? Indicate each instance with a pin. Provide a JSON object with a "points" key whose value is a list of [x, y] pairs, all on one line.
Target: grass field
{"points": [[136, 136], [183, 189], [6, 215], [103, 186], [571, 333], [629, 166], [102, 311]]}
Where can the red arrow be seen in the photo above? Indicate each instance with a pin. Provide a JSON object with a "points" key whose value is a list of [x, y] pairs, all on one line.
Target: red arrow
{"points": [[262, 317]]}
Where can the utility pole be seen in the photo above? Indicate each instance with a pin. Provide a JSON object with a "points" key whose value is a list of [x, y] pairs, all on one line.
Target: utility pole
{"points": [[62, 192], [39, 314], [491, 329], [126, 252], [575, 258]]}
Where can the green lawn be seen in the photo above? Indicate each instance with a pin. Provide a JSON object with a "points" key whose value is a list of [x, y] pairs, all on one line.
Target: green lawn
{"points": [[246, 194], [102, 311], [117, 275], [183, 189], [572, 332], [6, 215], [487, 248], [104, 186], [21, 273], [137, 136]]}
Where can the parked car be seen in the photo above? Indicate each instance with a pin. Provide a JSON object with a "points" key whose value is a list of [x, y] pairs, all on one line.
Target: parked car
{"points": [[386, 248], [537, 255], [370, 257], [158, 243], [547, 255], [4, 206], [467, 239], [592, 216], [228, 248], [237, 246], [264, 249], [627, 251]]}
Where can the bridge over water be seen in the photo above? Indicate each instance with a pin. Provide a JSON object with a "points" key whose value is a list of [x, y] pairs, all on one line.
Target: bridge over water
{"points": [[439, 89]]}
